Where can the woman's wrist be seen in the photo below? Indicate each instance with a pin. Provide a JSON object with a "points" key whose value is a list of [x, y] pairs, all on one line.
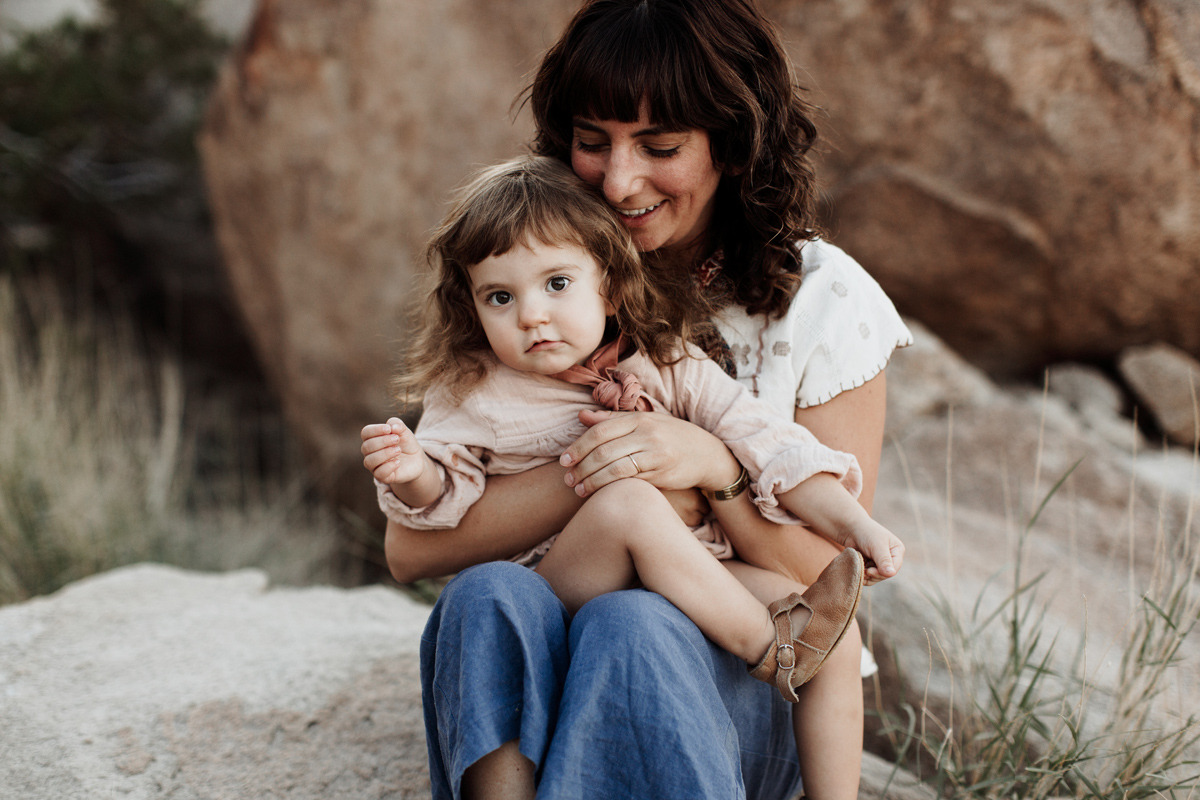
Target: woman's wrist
{"points": [[724, 469]]}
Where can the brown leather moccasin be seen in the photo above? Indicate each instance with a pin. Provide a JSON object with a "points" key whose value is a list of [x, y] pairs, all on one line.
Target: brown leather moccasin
{"points": [[832, 600]]}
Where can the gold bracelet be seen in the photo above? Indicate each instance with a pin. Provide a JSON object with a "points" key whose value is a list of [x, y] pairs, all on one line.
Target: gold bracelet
{"points": [[732, 490]]}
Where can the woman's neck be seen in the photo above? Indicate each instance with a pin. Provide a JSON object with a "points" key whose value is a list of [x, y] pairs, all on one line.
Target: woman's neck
{"points": [[690, 253]]}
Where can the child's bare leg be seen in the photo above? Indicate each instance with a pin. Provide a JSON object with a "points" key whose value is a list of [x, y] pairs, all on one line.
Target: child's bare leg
{"points": [[828, 720], [626, 534]]}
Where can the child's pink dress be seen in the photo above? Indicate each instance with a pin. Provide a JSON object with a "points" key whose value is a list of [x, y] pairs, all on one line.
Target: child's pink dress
{"points": [[515, 421]]}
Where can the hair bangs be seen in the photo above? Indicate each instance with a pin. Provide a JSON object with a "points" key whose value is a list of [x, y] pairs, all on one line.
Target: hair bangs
{"points": [[632, 58]]}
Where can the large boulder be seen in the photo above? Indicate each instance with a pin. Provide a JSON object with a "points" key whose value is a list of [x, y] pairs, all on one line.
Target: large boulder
{"points": [[1024, 177], [335, 133], [1020, 176]]}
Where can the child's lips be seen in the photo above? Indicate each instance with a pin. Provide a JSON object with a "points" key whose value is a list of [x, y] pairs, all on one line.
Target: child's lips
{"points": [[543, 345]]}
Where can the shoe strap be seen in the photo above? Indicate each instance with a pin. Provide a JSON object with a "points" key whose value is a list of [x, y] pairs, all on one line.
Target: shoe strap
{"points": [[785, 646]]}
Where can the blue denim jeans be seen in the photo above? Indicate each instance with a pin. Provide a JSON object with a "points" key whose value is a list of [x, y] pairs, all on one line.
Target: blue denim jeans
{"points": [[627, 700]]}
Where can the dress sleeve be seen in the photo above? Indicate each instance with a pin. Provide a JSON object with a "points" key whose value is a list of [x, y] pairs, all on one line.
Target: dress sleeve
{"points": [[459, 442], [463, 478], [845, 327], [778, 453]]}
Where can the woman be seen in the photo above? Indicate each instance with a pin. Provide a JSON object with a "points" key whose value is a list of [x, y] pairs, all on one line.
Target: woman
{"points": [[682, 113]]}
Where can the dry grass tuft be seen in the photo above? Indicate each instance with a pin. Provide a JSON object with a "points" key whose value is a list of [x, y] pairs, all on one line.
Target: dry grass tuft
{"points": [[97, 454], [1026, 722]]}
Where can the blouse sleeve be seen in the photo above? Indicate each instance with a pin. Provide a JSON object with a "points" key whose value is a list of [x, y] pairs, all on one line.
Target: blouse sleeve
{"points": [[844, 326]]}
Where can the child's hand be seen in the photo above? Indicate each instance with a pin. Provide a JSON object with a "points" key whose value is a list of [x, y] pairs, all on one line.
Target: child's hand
{"points": [[882, 551], [831, 511], [391, 452]]}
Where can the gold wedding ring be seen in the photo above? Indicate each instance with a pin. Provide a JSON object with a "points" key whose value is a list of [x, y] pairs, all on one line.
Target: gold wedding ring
{"points": [[636, 468]]}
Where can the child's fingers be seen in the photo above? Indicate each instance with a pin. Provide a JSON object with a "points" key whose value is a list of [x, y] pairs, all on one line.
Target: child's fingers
{"points": [[374, 431], [376, 459], [897, 549], [884, 560], [377, 443]]}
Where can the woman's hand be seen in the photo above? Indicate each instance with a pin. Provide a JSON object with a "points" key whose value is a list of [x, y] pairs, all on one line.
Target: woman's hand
{"points": [[666, 452]]}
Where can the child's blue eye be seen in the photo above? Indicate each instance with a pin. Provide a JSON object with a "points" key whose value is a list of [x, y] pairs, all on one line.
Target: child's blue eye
{"points": [[558, 283], [499, 299]]}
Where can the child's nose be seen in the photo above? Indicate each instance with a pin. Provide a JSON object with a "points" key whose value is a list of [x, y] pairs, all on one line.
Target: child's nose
{"points": [[532, 314]]}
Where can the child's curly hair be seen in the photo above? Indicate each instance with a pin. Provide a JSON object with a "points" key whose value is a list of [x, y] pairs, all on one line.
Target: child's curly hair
{"points": [[535, 198]]}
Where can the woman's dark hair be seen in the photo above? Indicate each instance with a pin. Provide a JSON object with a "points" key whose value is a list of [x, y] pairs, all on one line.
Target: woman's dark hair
{"points": [[718, 65]]}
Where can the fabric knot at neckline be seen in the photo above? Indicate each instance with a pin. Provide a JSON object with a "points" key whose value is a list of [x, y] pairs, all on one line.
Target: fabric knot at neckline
{"points": [[621, 391], [612, 388]]}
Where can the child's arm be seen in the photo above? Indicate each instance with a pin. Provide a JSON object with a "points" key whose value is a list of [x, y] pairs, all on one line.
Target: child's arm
{"points": [[823, 502], [791, 550], [392, 454], [791, 467]]}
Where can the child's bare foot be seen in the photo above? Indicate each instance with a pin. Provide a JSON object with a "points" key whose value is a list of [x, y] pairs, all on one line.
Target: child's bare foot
{"points": [[822, 615]]}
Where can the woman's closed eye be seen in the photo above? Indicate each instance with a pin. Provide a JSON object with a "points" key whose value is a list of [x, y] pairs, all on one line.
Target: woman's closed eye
{"points": [[499, 299], [558, 283], [662, 152], [652, 152]]}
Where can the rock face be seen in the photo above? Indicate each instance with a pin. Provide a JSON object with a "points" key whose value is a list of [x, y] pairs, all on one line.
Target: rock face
{"points": [[1023, 177], [1167, 384], [335, 134], [150, 682]]}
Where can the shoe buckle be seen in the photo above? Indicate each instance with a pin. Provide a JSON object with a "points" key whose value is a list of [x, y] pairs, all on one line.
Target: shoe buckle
{"points": [[790, 661]]}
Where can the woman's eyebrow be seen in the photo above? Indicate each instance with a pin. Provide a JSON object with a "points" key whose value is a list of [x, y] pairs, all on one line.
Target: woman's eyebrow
{"points": [[653, 130]]}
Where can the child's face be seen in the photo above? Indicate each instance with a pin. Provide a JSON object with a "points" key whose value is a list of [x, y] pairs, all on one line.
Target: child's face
{"points": [[541, 306]]}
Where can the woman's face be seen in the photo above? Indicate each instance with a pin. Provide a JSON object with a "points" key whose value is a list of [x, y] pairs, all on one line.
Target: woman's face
{"points": [[662, 183]]}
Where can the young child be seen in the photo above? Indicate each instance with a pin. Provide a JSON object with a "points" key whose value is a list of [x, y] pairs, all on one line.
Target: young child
{"points": [[539, 295]]}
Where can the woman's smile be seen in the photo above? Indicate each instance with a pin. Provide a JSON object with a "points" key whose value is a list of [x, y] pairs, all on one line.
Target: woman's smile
{"points": [[639, 212]]}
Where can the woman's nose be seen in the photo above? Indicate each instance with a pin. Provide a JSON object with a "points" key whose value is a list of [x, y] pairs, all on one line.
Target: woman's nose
{"points": [[622, 176]]}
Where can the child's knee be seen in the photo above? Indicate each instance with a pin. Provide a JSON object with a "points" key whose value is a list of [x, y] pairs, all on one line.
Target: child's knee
{"points": [[628, 499]]}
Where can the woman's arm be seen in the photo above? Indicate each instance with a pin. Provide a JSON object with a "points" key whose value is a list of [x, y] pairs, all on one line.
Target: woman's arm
{"points": [[515, 513], [853, 423]]}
